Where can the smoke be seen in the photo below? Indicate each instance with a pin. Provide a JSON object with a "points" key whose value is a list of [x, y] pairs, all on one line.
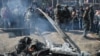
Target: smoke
{"points": [[16, 7], [19, 12]]}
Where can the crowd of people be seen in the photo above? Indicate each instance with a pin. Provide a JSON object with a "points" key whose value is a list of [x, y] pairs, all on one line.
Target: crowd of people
{"points": [[84, 18], [67, 17]]}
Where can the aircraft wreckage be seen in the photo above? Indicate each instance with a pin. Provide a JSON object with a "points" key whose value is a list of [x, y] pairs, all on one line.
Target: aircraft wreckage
{"points": [[28, 47]]}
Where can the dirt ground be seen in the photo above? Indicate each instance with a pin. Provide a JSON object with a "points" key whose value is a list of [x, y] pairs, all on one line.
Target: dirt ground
{"points": [[91, 44]]}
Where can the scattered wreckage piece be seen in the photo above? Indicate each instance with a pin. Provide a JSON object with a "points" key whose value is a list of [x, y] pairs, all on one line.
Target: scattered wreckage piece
{"points": [[69, 43], [36, 48], [65, 37]]}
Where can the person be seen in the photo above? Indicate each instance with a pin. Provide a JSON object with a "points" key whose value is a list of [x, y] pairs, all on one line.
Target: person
{"points": [[97, 20], [91, 16], [81, 11], [6, 16], [66, 16], [29, 16], [49, 11], [57, 14], [29, 13], [74, 17], [96, 23], [86, 21], [99, 27]]}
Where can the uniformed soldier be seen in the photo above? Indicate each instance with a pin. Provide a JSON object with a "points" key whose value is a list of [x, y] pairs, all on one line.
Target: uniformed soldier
{"points": [[86, 21], [29, 16], [29, 13], [57, 13], [91, 16], [96, 23], [66, 15]]}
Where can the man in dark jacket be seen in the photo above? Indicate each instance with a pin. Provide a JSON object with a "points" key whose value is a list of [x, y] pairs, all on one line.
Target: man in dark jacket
{"points": [[66, 15], [91, 16], [80, 14], [57, 13], [86, 21]]}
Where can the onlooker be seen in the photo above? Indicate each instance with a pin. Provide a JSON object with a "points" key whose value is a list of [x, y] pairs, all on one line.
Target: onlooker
{"points": [[57, 14], [66, 17], [81, 11], [86, 22], [96, 23], [74, 18], [6, 15], [91, 17]]}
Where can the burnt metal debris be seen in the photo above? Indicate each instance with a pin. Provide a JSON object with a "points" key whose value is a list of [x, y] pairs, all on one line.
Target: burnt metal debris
{"points": [[29, 47]]}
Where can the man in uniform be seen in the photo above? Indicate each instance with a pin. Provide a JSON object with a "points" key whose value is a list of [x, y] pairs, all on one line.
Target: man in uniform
{"points": [[86, 21], [91, 16], [66, 15], [57, 13]]}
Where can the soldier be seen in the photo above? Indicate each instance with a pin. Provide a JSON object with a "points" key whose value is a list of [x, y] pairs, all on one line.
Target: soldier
{"points": [[86, 21], [91, 16], [96, 23], [80, 14], [29, 13], [57, 13], [29, 19], [99, 27], [66, 16]]}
